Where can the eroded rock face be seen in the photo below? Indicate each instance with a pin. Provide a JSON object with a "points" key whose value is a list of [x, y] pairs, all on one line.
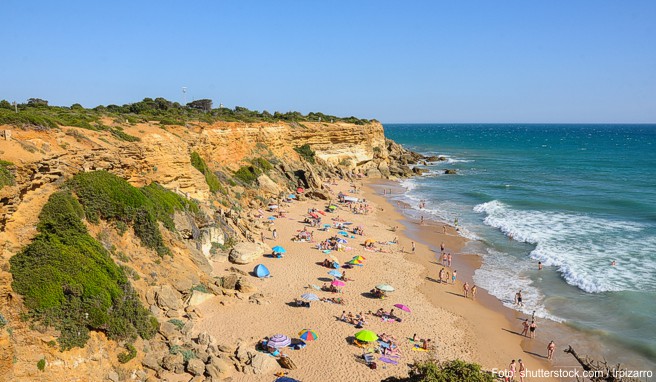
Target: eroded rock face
{"points": [[168, 298], [246, 253]]}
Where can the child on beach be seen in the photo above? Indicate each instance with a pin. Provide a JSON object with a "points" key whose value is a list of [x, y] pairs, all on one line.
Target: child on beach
{"points": [[454, 276], [448, 260]]}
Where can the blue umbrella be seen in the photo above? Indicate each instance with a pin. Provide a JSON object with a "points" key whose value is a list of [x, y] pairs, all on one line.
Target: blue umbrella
{"points": [[261, 271], [326, 226], [279, 249], [335, 273], [335, 264], [291, 196], [342, 233], [342, 241], [272, 218], [286, 379]]}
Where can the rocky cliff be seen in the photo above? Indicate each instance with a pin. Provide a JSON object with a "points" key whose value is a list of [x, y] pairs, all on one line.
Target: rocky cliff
{"points": [[39, 162]]}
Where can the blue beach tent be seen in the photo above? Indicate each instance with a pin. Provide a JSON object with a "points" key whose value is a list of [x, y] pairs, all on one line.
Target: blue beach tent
{"points": [[261, 271]]}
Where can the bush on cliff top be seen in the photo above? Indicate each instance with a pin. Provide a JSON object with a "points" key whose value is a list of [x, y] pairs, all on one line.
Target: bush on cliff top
{"points": [[107, 196], [455, 370], [70, 282]]}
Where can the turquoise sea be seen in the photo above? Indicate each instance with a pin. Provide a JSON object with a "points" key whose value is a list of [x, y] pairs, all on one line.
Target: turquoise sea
{"points": [[575, 197]]}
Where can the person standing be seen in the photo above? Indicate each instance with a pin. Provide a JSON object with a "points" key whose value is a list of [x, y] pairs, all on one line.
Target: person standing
{"points": [[454, 276], [522, 371], [262, 236], [448, 259], [444, 259], [525, 328], [512, 368], [441, 275], [539, 265], [531, 328], [442, 247], [414, 247], [473, 291], [275, 234], [465, 289], [550, 349]]}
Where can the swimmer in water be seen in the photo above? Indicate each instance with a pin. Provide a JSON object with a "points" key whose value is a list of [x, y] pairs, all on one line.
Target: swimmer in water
{"points": [[613, 263]]}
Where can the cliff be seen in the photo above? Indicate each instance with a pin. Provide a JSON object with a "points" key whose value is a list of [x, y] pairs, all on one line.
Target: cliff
{"points": [[247, 165]]}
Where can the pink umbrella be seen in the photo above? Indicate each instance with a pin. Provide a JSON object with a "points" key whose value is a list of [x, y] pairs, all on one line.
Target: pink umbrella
{"points": [[337, 283], [402, 307]]}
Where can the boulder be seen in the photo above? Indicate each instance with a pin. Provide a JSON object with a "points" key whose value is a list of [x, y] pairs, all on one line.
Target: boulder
{"points": [[230, 281], [198, 297], [374, 173], [183, 285], [174, 363], [263, 364], [245, 286], [267, 186], [113, 376], [384, 169], [450, 171], [169, 330], [419, 170], [246, 253], [168, 298], [195, 367], [218, 369], [153, 360]]}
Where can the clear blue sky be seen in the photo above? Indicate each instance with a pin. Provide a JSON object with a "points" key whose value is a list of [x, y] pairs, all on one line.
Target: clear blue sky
{"points": [[397, 61]]}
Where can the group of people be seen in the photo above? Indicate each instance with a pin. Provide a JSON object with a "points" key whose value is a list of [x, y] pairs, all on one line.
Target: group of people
{"points": [[358, 320], [444, 276]]}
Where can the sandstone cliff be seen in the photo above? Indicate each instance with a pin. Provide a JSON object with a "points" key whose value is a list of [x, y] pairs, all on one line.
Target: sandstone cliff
{"points": [[41, 161]]}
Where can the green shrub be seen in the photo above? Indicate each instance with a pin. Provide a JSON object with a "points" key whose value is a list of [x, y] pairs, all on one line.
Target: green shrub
{"points": [[128, 355], [41, 365], [200, 288], [107, 196], [178, 323], [70, 282], [187, 354], [210, 177], [3, 321], [6, 177], [247, 174], [456, 370], [306, 152], [120, 134], [262, 164]]}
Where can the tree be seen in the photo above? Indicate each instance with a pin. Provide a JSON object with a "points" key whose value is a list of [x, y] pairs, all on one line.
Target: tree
{"points": [[37, 102], [201, 104], [76, 106], [4, 104]]}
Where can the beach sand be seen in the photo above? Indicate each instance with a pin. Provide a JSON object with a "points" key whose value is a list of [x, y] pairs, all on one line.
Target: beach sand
{"points": [[459, 327]]}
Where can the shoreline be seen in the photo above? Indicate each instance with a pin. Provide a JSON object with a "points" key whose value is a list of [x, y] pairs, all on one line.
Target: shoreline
{"points": [[488, 308]]}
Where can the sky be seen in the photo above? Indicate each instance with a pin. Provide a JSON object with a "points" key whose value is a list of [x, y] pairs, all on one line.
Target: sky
{"points": [[454, 61]]}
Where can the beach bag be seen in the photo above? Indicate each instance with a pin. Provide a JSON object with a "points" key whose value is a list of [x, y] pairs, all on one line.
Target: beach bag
{"points": [[373, 366]]}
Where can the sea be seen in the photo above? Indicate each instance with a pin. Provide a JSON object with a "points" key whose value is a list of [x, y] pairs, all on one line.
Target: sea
{"points": [[574, 197]]}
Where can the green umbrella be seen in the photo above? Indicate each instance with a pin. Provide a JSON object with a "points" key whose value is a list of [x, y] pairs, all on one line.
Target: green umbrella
{"points": [[366, 336], [385, 287]]}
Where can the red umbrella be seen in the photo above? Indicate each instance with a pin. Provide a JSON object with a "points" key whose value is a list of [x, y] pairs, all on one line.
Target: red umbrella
{"points": [[299, 190], [402, 307]]}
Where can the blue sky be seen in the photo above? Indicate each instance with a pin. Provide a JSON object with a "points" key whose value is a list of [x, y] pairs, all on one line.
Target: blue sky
{"points": [[397, 61]]}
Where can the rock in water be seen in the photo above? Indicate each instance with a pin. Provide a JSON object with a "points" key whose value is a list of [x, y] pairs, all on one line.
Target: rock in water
{"points": [[450, 171]]}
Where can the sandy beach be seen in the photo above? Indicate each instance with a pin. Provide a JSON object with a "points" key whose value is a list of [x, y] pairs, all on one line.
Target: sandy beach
{"points": [[459, 327]]}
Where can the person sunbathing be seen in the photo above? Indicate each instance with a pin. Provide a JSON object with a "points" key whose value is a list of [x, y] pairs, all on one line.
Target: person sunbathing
{"points": [[379, 313]]}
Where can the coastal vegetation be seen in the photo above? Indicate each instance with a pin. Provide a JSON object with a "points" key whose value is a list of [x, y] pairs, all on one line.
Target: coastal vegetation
{"points": [[454, 370], [210, 177], [6, 177], [70, 282], [248, 174], [37, 114], [104, 195], [306, 152]]}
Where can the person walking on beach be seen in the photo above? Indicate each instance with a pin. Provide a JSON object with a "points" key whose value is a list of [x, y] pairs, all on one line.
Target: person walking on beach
{"points": [[518, 298], [454, 276], [444, 259], [275, 234], [414, 247], [522, 371], [262, 236], [441, 275], [421, 221], [525, 328], [473, 291], [446, 279], [442, 247], [448, 259], [444, 229], [550, 349], [532, 328], [465, 289]]}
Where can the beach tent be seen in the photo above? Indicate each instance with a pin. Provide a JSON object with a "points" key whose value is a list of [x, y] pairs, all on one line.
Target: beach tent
{"points": [[261, 271]]}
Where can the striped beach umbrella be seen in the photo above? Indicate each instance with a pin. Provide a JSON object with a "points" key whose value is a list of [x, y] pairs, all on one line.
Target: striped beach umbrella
{"points": [[307, 335], [279, 341], [310, 297]]}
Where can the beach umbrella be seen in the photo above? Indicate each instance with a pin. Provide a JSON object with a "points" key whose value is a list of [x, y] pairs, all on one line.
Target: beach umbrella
{"points": [[359, 258], [356, 262], [366, 336], [402, 307], [271, 218], [308, 335], [337, 283], [335, 273], [336, 265], [300, 190], [342, 233], [326, 226], [291, 196], [326, 251], [385, 287], [315, 287], [332, 207], [261, 271], [286, 379], [310, 297], [279, 249], [369, 241], [279, 341], [342, 241]]}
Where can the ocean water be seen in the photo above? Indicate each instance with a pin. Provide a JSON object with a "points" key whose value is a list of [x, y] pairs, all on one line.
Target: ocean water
{"points": [[575, 197]]}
